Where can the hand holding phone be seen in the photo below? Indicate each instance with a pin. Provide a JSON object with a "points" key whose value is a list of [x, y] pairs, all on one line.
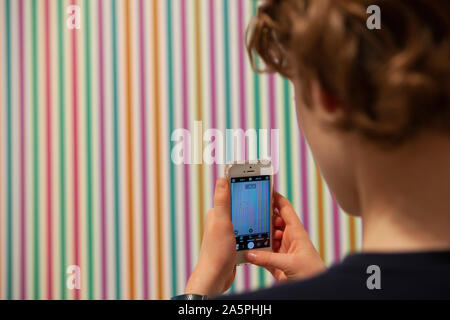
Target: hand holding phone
{"points": [[294, 256], [216, 267]]}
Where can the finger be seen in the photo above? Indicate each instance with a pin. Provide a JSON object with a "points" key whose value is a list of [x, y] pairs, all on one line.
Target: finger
{"points": [[276, 212], [268, 259], [276, 273], [272, 272], [285, 208], [279, 201], [222, 198], [276, 244], [280, 229], [277, 235], [278, 222], [279, 275]]}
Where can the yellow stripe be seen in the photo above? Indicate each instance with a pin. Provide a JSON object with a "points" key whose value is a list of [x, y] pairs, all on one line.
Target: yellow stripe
{"points": [[130, 170], [159, 256], [352, 233], [199, 112], [321, 224]]}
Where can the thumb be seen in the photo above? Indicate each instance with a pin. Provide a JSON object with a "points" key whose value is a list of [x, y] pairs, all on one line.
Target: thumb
{"points": [[268, 259], [222, 198]]}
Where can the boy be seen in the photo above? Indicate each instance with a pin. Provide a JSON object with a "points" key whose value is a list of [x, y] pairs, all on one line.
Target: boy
{"points": [[374, 108]]}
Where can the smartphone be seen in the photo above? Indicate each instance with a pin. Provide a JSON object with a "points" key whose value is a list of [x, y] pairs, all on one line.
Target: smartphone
{"points": [[251, 186]]}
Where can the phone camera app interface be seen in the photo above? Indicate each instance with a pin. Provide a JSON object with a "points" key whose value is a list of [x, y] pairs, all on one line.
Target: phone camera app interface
{"points": [[250, 211]]}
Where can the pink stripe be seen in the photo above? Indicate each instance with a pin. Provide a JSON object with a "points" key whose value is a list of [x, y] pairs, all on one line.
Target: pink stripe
{"points": [[187, 224], [243, 118], [336, 232], [102, 154], [22, 159], [76, 226], [212, 54], [304, 182], [241, 29], [143, 152], [49, 153]]}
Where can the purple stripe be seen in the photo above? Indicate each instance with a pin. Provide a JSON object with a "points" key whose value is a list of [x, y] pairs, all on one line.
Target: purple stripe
{"points": [[336, 232], [187, 224], [143, 152], [241, 30], [212, 53], [304, 182], [102, 154], [22, 158]]}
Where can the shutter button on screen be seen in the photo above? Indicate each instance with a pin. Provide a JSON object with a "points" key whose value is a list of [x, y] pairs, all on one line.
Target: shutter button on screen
{"points": [[250, 245]]}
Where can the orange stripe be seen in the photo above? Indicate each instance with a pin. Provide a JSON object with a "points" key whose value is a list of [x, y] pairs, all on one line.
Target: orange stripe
{"points": [[157, 154], [321, 225], [352, 233], [130, 170], [199, 111]]}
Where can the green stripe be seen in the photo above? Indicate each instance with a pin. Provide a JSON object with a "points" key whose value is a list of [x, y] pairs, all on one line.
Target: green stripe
{"points": [[256, 90], [116, 155], [9, 151], [62, 168], [35, 152], [89, 190], [287, 134], [227, 85], [173, 229]]}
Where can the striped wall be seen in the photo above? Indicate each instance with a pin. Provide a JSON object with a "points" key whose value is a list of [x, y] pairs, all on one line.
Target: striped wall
{"points": [[86, 117]]}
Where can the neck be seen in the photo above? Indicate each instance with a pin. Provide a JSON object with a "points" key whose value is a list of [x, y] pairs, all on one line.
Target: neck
{"points": [[404, 196]]}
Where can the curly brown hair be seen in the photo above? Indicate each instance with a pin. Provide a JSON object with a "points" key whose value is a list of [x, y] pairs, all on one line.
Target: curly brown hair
{"points": [[393, 82]]}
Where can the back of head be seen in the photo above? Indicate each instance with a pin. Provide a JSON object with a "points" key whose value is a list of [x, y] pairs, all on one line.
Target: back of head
{"points": [[392, 82]]}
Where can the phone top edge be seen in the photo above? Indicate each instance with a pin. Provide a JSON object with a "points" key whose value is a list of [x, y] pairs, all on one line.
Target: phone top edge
{"points": [[257, 161]]}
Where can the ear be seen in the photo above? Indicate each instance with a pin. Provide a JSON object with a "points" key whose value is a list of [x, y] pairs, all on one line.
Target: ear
{"points": [[330, 103], [327, 102]]}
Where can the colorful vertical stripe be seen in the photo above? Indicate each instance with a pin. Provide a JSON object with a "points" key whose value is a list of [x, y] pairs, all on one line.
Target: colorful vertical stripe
{"points": [[9, 223], [172, 176], [75, 150], [86, 118], [36, 152], [62, 148], [130, 189], [115, 154], [157, 127], [101, 80], [23, 219]]}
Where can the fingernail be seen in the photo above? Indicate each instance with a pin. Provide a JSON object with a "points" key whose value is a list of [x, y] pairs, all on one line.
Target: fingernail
{"points": [[251, 256], [221, 184]]}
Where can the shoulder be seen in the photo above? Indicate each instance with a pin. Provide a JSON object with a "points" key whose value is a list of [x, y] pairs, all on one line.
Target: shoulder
{"points": [[399, 276]]}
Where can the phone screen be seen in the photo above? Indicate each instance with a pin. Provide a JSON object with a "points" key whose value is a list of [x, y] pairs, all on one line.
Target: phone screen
{"points": [[250, 211]]}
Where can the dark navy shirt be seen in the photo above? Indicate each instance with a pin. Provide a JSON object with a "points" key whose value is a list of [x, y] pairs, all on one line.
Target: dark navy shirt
{"points": [[419, 275]]}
